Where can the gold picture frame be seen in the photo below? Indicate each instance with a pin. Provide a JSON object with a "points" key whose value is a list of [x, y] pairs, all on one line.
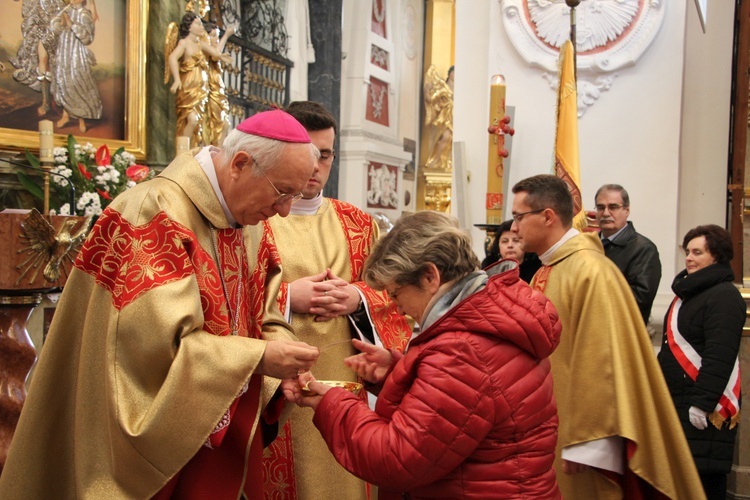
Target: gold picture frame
{"points": [[132, 135]]}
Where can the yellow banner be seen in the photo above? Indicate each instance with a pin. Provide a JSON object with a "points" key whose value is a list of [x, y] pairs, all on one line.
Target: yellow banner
{"points": [[567, 166]]}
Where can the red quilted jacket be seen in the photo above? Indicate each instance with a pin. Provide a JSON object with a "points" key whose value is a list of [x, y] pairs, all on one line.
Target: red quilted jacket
{"points": [[468, 412]]}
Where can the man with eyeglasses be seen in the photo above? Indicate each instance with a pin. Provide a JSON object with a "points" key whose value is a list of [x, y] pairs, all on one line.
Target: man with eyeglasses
{"points": [[619, 436], [634, 254], [323, 245], [167, 343]]}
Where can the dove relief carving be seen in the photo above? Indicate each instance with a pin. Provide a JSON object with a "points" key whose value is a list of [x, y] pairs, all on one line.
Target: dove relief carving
{"points": [[48, 250], [611, 35]]}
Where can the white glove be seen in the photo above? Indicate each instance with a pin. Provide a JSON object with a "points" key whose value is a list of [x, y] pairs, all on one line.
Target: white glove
{"points": [[697, 418]]}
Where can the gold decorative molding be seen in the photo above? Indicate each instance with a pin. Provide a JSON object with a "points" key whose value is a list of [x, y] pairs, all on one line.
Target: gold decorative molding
{"points": [[134, 45], [437, 186], [434, 185]]}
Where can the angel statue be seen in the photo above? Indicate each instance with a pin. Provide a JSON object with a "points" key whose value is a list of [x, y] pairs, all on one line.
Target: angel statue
{"points": [[438, 102], [218, 104], [188, 64]]}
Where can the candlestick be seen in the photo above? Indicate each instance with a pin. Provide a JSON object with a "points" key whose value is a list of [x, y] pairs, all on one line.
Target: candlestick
{"points": [[496, 143], [46, 157]]}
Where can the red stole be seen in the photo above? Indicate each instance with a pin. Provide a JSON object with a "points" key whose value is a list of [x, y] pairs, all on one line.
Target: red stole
{"points": [[230, 460]]}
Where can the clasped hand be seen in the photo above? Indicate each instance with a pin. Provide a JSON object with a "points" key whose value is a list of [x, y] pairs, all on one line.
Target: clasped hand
{"points": [[324, 295]]}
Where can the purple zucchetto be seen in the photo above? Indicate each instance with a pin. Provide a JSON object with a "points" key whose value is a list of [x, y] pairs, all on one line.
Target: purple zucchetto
{"points": [[275, 124]]}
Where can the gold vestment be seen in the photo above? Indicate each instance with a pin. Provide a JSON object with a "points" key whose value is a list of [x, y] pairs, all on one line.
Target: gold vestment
{"points": [[339, 236], [607, 379], [138, 368]]}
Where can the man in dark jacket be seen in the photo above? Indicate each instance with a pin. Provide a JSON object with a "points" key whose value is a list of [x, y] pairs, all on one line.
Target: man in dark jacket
{"points": [[634, 254]]}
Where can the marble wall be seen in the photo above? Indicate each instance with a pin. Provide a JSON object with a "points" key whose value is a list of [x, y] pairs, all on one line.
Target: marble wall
{"points": [[160, 112]]}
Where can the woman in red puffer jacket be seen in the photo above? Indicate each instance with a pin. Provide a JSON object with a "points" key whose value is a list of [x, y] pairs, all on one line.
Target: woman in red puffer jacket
{"points": [[468, 411]]}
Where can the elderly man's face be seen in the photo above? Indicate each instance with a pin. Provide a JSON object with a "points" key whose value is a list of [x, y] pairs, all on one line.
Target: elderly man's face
{"points": [[611, 214], [253, 199]]}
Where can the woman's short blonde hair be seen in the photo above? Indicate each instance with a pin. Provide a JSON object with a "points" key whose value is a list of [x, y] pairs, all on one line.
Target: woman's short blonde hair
{"points": [[401, 256]]}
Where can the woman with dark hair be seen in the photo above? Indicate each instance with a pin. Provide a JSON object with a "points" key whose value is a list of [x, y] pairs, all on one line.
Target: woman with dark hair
{"points": [[506, 245], [468, 411], [699, 352]]}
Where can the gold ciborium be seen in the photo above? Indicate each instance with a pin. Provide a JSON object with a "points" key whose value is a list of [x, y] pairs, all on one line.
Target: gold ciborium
{"points": [[353, 387]]}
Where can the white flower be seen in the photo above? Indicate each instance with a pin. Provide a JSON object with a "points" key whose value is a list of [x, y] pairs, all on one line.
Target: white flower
{"points": [[109, 180], [90, 203], [128, 158], [65, 209], [92, 211], [61, 170], [60, 155]]}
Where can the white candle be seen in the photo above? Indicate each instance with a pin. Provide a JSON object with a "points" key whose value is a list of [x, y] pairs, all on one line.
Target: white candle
{"points": [[46, 141], [494, 200]]}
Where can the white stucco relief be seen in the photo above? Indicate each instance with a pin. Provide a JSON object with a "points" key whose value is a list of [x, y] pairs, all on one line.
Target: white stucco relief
{"points": [[610, 35]]}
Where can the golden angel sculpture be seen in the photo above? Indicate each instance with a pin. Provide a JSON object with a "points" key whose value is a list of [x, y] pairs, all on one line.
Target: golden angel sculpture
{"points": [[438, 101], [218, 104], [189, 49], [48, 248]]}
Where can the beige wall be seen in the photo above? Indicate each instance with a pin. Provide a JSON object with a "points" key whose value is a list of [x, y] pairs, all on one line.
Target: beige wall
{"points": [[660, 130], [706, 97]]}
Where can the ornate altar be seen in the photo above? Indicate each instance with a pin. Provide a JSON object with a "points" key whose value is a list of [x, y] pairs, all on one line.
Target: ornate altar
{"points": [[36, 255]]}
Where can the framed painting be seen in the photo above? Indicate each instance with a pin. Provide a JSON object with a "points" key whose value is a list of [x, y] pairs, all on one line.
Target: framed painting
{"points": [[80, 64]]}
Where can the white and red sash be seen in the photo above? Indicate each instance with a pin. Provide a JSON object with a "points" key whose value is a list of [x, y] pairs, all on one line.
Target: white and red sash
{"points": [[728, 407]]}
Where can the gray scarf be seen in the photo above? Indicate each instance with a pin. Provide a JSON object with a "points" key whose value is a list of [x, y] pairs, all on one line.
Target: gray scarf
{"points": [[461, 288]]}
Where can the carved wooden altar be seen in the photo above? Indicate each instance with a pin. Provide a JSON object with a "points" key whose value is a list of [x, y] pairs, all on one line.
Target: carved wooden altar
{"points": [[28, 249]]}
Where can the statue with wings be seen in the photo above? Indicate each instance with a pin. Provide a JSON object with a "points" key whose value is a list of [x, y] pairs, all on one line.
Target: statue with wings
{"points": [[47, 248], [187, 50], [438, 103]]}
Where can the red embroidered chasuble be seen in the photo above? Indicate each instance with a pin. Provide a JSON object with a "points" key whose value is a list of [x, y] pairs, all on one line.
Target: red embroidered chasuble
{"points": [[165, 251]]}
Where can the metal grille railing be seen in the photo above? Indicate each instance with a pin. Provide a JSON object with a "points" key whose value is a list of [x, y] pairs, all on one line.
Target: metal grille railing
{"points": [[259, 75]]}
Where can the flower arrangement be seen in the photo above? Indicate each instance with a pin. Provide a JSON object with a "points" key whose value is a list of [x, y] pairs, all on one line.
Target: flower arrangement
{"points": [[97, 176]]}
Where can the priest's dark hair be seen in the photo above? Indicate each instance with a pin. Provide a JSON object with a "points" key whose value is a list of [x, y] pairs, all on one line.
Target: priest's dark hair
{"points": [[312, 115], [548, 191]]}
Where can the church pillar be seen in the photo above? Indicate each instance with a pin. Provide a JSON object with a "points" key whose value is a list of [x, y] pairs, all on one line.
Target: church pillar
{"points": [[324, 75], [372, 154], [435, 181]]}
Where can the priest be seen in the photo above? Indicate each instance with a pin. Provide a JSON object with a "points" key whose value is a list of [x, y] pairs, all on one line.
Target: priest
{"points": [[619, 436], [161, 366], [323, 245]]}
